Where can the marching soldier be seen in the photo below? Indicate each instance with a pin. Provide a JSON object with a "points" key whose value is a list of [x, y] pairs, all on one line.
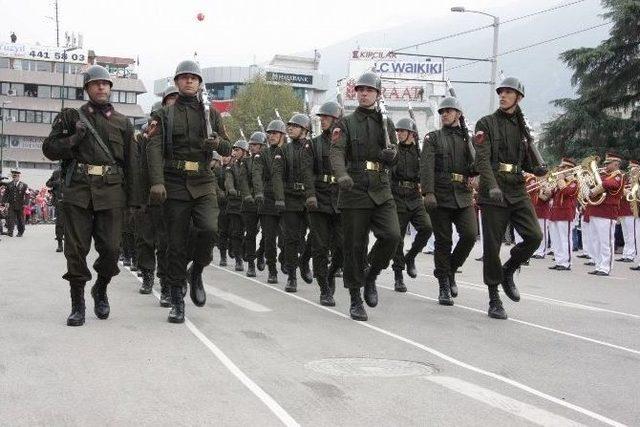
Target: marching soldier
{"points": [[360, 159], [95, 144], [562, 214], [15, 197], [55, 184], [233, 185], [405, 187], [269, 192], [603, 216], [324, 215], [180, 176], [446, 171], [223, 219], [249, 208], [505, 150], [295, 180]]}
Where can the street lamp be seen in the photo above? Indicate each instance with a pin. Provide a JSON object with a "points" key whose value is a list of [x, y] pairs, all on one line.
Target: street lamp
{"points": [[2, 135], [64, 71], [494, 56]]}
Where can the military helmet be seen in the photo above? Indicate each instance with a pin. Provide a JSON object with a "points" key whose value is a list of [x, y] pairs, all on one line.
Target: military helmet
{"points": [[96, 72], [277, 126], [188, 67], [511, 83], [156, 106], [449, 102], [258, 138], [171, 90], [331, 108], [369, 79], [407, 124], [241, 143], [301, 120]]}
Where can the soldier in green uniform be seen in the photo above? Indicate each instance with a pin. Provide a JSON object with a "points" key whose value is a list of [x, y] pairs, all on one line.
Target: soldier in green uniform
{"points": [[249, 208], [179, 152], [360, 159], [504, 149], [234, 175], [445, 168], [405, 186], [295, 180], [95, 144], [223, 218], [266, 188], [55, 185], [322, 197]]}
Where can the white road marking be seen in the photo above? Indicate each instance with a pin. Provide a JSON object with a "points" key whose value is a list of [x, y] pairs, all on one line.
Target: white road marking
{"points": [[476, 286], [443, 356], [237, 300], [254, 388], [499, 401]]}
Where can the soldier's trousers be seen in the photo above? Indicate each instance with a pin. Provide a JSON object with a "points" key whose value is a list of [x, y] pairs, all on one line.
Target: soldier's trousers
{"points": [[326, 235], [356, 225], [495, 220], [270, 231], [129, 235], [59, 221], [15, 217], [250, 223], [294, 226], [105, 227], [202, 214], [422, 223], [223, 230], [236, 233], [152, 240], [443, 219]]}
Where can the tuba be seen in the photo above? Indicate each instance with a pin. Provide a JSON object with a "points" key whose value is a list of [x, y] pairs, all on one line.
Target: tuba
{"points": [[588, 179]]}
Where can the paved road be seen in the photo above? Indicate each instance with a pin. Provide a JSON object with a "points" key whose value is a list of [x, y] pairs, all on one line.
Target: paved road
{"points": [[255, 355]]}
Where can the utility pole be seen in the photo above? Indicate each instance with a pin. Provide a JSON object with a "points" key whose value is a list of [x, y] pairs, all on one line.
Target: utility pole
{"points": [[57, 26]]}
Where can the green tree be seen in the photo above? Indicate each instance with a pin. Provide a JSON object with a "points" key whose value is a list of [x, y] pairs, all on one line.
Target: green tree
{"points": [[605, 115], [258, 98]]}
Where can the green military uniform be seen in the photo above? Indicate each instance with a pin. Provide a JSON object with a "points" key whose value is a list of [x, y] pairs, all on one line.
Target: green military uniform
{"points": [[55, 184], [15, 196], [360, 161], [223, 219], [233, 186], [100, 180], [249, 207], [446, 165]]}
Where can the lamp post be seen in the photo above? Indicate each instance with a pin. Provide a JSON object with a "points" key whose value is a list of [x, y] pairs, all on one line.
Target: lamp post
{"points": [[494, 56], [64, 71], [2, 135]]}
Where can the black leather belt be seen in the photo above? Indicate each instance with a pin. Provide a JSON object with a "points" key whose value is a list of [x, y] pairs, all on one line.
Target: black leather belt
{"points": [[407, 184]]}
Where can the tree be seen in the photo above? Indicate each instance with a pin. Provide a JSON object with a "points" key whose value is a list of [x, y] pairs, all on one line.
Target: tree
{"points": [[605, 115], [258, 98]]}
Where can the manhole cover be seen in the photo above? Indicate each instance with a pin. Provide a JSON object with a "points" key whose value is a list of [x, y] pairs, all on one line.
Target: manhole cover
{"points": [[363, 367]]}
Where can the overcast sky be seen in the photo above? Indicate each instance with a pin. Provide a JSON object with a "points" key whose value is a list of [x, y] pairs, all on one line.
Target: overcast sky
{"points": [[234, 32]]}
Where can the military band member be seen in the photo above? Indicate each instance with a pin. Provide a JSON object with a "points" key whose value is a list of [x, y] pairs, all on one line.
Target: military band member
{"points": [[633, 191], [405, 187], [541, 199], [627, 219], [504, 150], [562, 215], [95, 144], [234, 175], [360, 160], [446, 171]]}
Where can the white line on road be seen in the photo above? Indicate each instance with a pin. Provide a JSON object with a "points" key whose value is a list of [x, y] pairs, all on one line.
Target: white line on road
{"points": [[533, 325], [273, 406], [443, 356], [499, 401], [237, 300]]}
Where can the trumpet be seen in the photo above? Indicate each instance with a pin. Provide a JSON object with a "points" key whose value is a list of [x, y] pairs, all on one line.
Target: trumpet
{"points": [[632, 191]]}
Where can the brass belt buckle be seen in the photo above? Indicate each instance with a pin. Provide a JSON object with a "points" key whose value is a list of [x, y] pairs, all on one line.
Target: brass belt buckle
{"points": [[94, 169], [372, 166], [332, 179], [456, 177], [191, 166], [298, 186], [506, 167]]}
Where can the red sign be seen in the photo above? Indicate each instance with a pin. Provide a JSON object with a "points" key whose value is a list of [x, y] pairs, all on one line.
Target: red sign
{"points": [[223, 106]]}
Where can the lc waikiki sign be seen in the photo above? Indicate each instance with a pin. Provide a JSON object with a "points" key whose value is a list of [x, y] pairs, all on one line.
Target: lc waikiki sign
{"points": [[388, 64]]}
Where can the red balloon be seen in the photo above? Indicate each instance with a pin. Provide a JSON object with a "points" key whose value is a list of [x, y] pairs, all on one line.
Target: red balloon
{"points": [[200, 16]]}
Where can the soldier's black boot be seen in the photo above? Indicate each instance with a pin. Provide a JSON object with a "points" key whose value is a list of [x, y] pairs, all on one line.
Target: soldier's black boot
{"points": [[339, 272], [126, 261], [453, 286], [260, 263], [134, 263], [251, 268], [76, 318], [100, 301], [410, 261], [444, 297], [326, 296], [496, 311], [196, 287], [273, 274], [60, 248], [508, 285], [370, 290], [176, 314], [292, 281], [331, 279], [305, 271], [356, 310], [398, 281], [223, 258], [147, 282], [165, 294], [239, 264]]}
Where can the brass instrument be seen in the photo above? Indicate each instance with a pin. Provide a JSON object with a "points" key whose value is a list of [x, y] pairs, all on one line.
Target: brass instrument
{"points": [[633, 191], [589, 179]]}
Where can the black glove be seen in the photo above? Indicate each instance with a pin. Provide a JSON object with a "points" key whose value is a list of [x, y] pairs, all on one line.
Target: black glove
{"points": [[430, 201], [541, 170], [387, 155], [81, 131], [345, 183], [279, 205], [495, 194]]}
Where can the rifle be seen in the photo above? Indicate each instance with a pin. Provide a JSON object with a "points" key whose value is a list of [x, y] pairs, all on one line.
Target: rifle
{"points": [[413, 117], [204, 98], [339, 97], [277, 114], [470, 146], [242, 135], [260, 125], [383, 111]]}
